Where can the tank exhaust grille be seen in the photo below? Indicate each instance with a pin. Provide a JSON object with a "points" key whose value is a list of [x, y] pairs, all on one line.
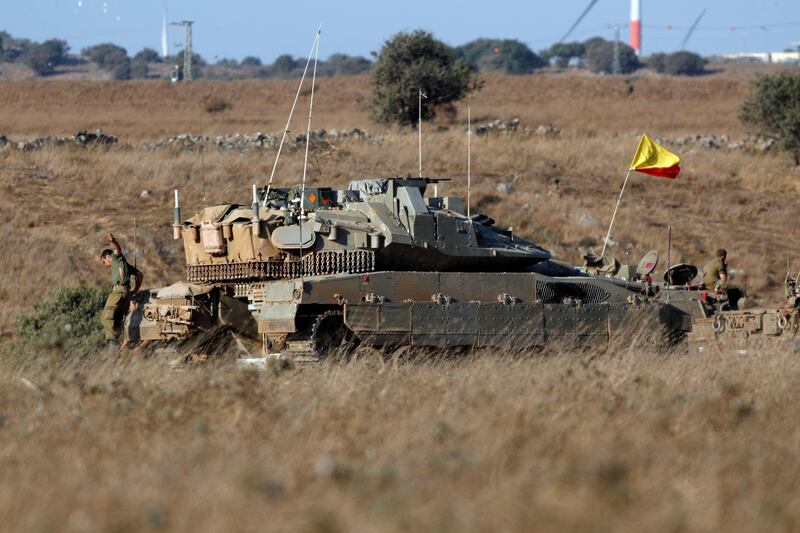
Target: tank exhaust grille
{"points": [[550, 292]]}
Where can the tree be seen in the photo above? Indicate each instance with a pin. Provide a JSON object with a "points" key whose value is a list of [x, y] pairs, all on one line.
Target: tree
{"points": [[600, 56], [410, 62], [147, 55], [251, 61], [773, 109], [43, 58], [501, 55], [111, 58], [345, 65], [139, 70], [284, 65], [563, 52], [677, 64]]}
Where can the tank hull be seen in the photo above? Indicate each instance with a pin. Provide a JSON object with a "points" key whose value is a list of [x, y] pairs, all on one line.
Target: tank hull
{"points": [[460, 309]]}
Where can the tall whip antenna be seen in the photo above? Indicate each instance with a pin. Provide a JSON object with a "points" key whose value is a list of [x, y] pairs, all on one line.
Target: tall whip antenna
{"points": [[288, 122], [134, 242], [308, 143], [420, 96], [469, 157]]}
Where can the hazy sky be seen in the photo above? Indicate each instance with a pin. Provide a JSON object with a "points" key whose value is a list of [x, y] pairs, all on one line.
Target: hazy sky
{"points": [[236, 28]]}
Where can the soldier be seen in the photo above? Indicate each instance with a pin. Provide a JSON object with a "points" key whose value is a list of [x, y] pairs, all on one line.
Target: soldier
{"points": [[121, 273], [715, 273]]}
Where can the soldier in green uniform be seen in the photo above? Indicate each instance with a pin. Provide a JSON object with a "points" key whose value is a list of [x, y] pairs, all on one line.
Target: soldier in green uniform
{"points": [[121, 293], [715, 273]]}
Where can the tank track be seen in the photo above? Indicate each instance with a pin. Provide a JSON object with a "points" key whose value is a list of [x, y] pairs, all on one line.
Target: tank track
{"points": [[313, 264]]}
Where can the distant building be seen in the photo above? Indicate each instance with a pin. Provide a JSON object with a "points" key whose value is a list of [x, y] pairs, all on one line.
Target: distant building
{"points": [[766, 57]]}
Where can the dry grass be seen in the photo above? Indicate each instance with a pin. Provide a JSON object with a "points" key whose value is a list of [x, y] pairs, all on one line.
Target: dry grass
{"points": [[554, 441], [631, 442]]}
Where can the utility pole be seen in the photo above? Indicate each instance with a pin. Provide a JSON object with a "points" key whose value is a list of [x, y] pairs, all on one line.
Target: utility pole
{"points": [[616, 67], [187, 48]]}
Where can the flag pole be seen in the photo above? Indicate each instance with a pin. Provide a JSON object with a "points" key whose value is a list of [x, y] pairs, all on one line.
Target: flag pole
{"points": [[608, 235]]}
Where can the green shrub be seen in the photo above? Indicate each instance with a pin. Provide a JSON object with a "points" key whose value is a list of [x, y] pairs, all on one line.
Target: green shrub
{"points": [[773, 108], [68, 322], [501, 55], [111, 58], [43, 58], [600, 56], [678, 63], [409, 62], [147, 55]]}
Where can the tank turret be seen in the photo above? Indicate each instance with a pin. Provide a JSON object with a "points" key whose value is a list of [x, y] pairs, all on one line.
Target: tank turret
{"points": [[381, 224]]}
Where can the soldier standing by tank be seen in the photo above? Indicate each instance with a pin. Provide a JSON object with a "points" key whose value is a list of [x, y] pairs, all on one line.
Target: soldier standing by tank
{"points": [[715, 273], [121, 293]]}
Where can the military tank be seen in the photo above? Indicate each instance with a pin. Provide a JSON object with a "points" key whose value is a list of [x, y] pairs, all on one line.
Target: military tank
{"points": [[383, 264]]}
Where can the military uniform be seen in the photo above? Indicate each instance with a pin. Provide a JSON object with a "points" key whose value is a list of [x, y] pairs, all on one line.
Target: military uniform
{"points": [[712, 271], [117, 301]]}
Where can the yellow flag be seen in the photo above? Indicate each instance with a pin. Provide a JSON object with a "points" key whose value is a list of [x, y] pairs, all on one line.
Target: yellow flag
{"points": [[655, 160]]}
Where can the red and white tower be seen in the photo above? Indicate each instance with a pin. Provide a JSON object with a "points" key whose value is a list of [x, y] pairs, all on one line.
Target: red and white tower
{"points": [[636, 26]]}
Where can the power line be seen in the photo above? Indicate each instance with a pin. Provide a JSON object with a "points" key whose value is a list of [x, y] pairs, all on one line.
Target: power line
{"points": [[580, 18]]}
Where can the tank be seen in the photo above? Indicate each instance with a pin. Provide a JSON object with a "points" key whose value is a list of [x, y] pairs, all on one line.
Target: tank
{"points": [[725, 327], [383, 264]]}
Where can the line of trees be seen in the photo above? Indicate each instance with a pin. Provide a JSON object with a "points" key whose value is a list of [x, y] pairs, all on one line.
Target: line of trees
{"points": [[507, 56]]}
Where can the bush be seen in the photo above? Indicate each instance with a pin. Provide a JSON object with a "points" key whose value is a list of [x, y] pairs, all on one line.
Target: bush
{"points": [[43, 58], [501, 55], [344, 65], [677, 64], [409, 62], [600, 56], [285, 65], [139, 70], [147, 55], [67, 322], [251, 61], [773, 108], [215, 104], [111, 58]]}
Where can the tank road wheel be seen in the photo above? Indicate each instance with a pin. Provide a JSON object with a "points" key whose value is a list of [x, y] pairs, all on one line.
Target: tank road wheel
{"points": [[329, 334]]}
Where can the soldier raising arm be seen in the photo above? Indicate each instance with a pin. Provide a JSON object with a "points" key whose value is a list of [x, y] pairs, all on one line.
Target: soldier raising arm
{"points": [[121, 293]]}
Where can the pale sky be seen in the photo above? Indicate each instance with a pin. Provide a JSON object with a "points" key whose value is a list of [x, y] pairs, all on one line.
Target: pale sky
{"points": [[264, 28]]}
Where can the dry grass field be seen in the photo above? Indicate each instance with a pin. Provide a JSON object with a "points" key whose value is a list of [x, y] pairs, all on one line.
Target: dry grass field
{"points": [[627, 441]]}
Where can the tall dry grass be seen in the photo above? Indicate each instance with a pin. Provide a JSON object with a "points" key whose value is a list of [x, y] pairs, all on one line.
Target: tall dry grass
{"points": [[629, 441]]}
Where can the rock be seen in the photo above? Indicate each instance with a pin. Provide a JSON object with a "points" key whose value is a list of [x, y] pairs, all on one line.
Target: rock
{"points": [[545, 130], [498, 125], [144, 194], [504, 187], [84, 138], [588, 220]]}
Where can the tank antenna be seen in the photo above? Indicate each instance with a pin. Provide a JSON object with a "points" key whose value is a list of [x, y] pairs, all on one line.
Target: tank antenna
{"points": [[291, 112], [669, 259], [420, 96], [203, 163], [469, 157], [308, 143]]}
